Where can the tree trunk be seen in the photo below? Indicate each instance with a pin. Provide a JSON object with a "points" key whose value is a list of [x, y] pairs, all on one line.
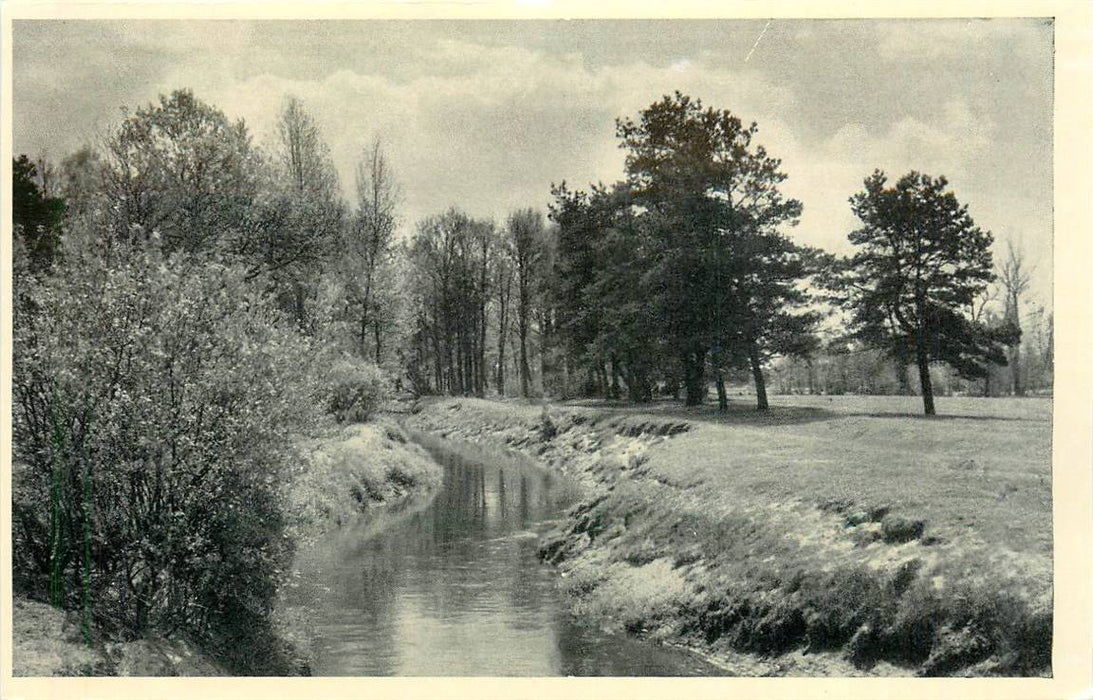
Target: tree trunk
{"points": [[501, 356], [376, 335], [544, 339], [722, 397], [903, 376], [924, 379], [525, 369], [301, 315], [614, 393], [694, 377], [1015, 365], [757, 376], [364, 334]]}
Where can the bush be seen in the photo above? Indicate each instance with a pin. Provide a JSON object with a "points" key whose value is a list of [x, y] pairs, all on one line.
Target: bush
{"points": [[155, 402], [357, 390]]}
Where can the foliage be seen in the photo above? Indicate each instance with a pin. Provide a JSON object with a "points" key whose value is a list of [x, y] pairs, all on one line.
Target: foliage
{"points": [[36, 216], [357, 390], [920, 264], [296, 219], [527, 245], [369, 243], [155, 403], [683, 263], [450, 257], [182, 170]]}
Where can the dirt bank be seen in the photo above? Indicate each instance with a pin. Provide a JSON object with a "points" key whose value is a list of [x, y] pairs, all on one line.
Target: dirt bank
{"points": [[49, 642], [757, 549]]}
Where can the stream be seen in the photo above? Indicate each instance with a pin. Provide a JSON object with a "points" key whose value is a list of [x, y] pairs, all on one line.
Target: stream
{"points": [[452, 586]]}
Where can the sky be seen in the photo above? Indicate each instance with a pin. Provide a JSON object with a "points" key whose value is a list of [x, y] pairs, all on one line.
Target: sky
{"points": [[484, 116]]}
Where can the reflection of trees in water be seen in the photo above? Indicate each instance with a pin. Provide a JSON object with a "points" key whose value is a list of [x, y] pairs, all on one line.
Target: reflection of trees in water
{"points": [[481, 569], [466, 557], [524, 507], [584, 651]]}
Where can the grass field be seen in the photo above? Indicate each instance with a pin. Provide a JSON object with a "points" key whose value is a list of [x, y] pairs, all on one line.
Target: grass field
{"points": [[980, 469]]}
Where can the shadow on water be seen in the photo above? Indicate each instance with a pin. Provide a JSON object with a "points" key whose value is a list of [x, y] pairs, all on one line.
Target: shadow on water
{"points": [[455, 587]]}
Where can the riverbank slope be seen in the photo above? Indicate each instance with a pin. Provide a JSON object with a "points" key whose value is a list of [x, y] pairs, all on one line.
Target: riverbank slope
{"points": [[837, 538]]}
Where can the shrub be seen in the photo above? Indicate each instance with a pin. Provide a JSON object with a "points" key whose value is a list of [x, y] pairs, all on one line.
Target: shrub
{"points": [[155, 400], [357, 390]]}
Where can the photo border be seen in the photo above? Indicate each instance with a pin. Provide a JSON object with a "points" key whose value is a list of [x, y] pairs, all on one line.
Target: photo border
{"points": [[1072, 426]]}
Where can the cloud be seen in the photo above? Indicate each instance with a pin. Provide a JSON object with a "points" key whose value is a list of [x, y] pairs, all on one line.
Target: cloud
{"points": [[824, 176], [492, 131], [931, 40], [488, 120]]}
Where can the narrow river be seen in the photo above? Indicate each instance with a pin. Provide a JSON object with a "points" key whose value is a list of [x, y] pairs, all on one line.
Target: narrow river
{"points": [[453, 587]]}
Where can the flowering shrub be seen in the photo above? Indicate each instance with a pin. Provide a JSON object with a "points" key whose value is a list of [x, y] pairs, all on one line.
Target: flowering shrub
{"points": [[155, 401], [357, 389]]}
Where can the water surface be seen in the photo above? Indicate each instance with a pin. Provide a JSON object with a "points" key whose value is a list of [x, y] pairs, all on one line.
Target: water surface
{"points": [[452, 586]]}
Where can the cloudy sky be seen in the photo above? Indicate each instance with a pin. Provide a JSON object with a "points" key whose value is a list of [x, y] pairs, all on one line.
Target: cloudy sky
{"points": [[486, 115]]}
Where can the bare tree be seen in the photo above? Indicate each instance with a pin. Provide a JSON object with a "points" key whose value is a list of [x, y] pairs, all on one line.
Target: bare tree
{"points": [[525, 232], [372, 234], [503, 274], [1014, 278], [981, 312]]}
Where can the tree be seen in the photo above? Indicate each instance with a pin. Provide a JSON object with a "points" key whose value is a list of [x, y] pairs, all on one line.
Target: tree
{"points": [[154, 407], [526, 234], [369, 239], [449, 283], [713, 198], [502, 283], [182, 170], [296, 218], [922, 261], [1015, 280], [36, 216], [767, 314]]}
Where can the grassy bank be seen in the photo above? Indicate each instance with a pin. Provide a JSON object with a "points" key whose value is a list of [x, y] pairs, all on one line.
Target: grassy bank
{"points": [[841, 535], [49, 642], [363, 467]]}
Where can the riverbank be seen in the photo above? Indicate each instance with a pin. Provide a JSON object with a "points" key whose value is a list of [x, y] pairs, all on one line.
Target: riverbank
{"points": [[49, 642], [810, 540], [362, 468]]}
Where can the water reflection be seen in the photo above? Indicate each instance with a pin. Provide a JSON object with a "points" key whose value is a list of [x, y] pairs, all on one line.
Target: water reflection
{"points": [[455, 588]]}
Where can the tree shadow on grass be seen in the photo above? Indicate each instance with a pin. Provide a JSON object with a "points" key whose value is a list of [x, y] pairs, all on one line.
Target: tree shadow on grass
{"points": [[948, 416], [743, 412], [738, 413]]}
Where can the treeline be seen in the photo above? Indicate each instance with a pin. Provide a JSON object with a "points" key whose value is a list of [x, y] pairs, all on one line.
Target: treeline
{"points": [[683, 275], [651, 285]]}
